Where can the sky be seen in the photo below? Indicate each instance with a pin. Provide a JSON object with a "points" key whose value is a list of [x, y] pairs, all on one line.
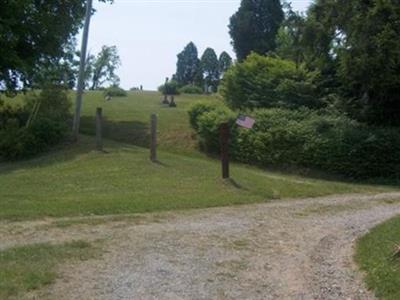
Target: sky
{"points": [[150, 33]]}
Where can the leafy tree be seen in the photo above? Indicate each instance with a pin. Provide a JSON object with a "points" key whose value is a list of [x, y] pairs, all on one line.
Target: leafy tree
{"points": [[266, 81], [188, 65], [254, 26], [290, 37], [210, 67], [32, 33], [104, 66], [357, 43], [225, 61]]}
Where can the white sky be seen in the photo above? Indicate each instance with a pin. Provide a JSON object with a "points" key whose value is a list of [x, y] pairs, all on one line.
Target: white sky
{"points": [[149, 34]]}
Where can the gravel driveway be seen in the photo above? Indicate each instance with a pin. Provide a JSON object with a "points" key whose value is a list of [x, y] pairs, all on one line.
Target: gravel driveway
{"points": [[290, 249]]}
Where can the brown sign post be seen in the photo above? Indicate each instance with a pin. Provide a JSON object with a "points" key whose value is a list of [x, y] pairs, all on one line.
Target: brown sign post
{"points": [[224, 142]]}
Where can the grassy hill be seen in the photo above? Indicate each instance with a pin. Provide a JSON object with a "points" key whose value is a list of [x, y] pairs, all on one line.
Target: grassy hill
{"points": [[76, 180]]}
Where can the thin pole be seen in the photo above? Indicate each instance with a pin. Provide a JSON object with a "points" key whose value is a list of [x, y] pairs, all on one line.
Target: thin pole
{"points": [[224, 141], [153, 141], [81, 78]]}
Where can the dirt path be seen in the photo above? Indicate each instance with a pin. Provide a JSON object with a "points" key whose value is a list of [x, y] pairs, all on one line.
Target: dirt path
{"points": [[292, 249]]}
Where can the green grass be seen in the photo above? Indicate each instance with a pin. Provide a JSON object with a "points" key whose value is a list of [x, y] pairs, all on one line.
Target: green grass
{"points": [[374, 254], [27, 268], [78, 181], [127, 119]]}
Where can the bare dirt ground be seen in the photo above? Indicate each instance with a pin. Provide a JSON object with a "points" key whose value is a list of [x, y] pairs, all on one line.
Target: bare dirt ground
{"points": [[289, 249]]}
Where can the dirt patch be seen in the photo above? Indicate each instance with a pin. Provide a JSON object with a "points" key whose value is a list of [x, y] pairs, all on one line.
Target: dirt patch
{"points": [[262, 251]]}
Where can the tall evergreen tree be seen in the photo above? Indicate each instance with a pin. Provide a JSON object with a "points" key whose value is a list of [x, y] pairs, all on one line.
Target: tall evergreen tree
{"points": [[224, 61], [210, 67], [255, 25], [187, 67]]}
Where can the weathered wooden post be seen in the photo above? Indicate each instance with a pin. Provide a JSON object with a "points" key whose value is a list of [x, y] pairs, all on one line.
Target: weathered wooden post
{"points": [[153, 140], [224, 142], [99, 136]]}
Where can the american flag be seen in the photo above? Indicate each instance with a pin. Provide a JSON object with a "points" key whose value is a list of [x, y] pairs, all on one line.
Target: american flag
{"points": [[245, 121]]}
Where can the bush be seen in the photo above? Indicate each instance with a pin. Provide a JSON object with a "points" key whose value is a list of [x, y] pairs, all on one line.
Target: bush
{"points": [[191, 89], [115, 91], [41, 123], [305, 138], [265, 81], [169, 88]]}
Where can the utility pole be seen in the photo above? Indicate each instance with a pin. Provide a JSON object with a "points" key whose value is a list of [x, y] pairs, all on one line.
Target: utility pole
{"points": [[81, 78]]}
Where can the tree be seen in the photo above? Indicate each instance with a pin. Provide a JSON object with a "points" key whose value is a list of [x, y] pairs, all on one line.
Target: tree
{"points": [[357, 41], [33, 33], [224, 61], [267, 81], [290, 36], [254, 26], [104, 66], [187, 67], [210, 67]]}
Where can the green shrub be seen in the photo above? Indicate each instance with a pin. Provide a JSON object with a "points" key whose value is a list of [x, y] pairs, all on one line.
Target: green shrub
{"points": [[191, 89], [41, 123], [115, 91], [265, 81], [304, 138], [169, 88]]}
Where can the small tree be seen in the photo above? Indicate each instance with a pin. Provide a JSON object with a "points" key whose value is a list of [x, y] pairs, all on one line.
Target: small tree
{"points": [[103, 67], [210, 67], [187, 67], [224, 61]]}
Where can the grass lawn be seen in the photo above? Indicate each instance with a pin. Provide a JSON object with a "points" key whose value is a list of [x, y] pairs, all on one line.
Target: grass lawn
{"points": [[374, 255], [78, 181], [27, 268]]}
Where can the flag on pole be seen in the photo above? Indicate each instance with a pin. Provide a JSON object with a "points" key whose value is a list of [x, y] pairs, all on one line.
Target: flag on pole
{"points": [[245, 121]]}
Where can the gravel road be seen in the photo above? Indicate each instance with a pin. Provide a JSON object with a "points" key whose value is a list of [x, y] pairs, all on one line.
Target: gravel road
{"points": [[289, 249]]}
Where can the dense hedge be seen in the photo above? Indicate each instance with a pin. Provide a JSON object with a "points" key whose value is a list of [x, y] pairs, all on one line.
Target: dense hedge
{"points": [[115, 91], [303, 138], [190, 89], [34, 127], [267, 82]]}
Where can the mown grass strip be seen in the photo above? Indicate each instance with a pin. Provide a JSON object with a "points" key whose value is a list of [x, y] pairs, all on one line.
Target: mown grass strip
{"points": [[375, 255]]}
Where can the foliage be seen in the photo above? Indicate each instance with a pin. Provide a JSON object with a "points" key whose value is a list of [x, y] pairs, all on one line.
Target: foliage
{"points": [[290, 37], [210, 66], [254, 26], [224, 61], [115, 91], [266, 81], [170, 87], [309, 139], [190, 89], [374, 255], [188, 65], [103, 67], [355, 46], [39, 124], [33, 33]]}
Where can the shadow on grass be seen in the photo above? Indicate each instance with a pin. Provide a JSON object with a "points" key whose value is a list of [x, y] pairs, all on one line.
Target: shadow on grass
{"points": [[133, 132]]}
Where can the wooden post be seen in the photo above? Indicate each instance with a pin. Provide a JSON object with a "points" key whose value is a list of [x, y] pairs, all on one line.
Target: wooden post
{"points": [[153, 141], [224, 142], [99, 136]]}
